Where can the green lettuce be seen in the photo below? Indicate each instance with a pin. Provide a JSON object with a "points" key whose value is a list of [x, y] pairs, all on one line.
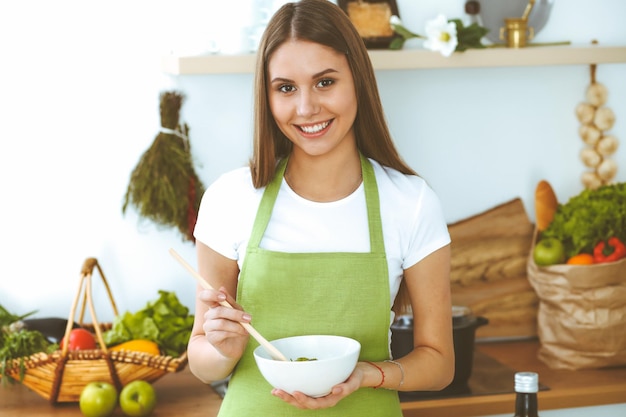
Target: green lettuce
{"points": [[165, 321], [590, 217]]}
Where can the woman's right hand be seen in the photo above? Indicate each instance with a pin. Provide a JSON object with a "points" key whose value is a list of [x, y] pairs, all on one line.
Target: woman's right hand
{"points": [[222, 324]]}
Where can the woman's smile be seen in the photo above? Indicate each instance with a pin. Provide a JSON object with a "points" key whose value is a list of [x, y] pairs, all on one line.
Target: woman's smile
{"points": [[315, 129]]}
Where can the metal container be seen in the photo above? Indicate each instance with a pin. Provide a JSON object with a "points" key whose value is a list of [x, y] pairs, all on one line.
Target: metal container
{"points": [[464, 325]]}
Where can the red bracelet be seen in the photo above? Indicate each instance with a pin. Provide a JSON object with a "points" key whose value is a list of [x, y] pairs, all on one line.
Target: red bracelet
{"points": [[382, 373]]}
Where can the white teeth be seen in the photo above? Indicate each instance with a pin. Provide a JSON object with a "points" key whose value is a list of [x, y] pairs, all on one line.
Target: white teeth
{"points": [[315, 128]]}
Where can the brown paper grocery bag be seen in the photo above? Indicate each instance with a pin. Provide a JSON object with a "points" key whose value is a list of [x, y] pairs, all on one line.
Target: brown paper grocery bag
{"points": [[581, 322]]}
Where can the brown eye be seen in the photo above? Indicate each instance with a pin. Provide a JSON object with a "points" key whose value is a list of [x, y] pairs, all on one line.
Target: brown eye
{"points": [[326, 82], [286, 88]]}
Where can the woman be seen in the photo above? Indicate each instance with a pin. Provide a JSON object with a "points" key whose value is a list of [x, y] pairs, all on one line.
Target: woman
{"points": [[324, 225]]}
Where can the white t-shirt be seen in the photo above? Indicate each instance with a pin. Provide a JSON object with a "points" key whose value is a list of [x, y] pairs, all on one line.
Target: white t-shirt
{"points": [[412, 219]]}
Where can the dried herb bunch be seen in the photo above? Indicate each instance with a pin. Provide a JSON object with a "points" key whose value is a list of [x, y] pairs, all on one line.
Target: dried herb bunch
{"points": [[164, 186]]}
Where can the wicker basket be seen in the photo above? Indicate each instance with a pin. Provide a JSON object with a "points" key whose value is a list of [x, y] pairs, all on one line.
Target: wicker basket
{"points": [[62, 375]]}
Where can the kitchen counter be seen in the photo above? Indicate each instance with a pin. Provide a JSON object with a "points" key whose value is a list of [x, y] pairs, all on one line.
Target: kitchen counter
{"points": [[181, 394], [566, 389], [178, 394]]}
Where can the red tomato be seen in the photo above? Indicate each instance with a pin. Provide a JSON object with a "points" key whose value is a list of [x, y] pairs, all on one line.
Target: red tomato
{"points": [[80, 339]]}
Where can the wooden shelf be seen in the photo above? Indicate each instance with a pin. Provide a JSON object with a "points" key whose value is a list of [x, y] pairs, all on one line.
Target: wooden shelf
{"points": [[420, 59]]}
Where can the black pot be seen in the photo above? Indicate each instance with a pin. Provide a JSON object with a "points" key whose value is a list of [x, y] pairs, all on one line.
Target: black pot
{"points": [[52, 328], [464, 325]]}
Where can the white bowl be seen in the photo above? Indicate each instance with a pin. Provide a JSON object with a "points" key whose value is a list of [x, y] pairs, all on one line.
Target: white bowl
{"points": [[335, 359]]}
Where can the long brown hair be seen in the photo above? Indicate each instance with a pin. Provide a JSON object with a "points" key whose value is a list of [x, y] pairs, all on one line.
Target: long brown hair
{"points": [[322, 22]]}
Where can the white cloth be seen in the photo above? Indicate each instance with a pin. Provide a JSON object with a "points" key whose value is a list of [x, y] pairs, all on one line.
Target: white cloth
{"points": [[413, 221]]}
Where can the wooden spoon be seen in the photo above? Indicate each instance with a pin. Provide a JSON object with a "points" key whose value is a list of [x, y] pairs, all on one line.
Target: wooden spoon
{"points": [[546, 204], [271, 349]]}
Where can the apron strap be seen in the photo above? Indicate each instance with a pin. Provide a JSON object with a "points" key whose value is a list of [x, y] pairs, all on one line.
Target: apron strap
{"points": [[377, 242], [266, 206]]}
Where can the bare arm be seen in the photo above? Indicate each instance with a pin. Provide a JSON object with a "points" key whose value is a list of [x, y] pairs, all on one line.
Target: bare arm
{"points": [[430, 366], [217, 339]]}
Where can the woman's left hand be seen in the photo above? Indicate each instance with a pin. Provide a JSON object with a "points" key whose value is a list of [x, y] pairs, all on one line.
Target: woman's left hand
{"points": [[338, 392]]}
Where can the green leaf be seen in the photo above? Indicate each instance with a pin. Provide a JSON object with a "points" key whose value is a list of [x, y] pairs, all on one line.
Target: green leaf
{"points": [[479, 30], [404, 32], [469, 37], [397, 43]]}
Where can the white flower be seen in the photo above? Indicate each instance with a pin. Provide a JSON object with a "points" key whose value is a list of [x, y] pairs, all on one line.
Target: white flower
{"points": [[395, 20], [441, 35]]}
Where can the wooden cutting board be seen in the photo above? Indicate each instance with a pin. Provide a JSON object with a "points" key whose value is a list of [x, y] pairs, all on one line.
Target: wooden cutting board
{"points": [[489, 254]]}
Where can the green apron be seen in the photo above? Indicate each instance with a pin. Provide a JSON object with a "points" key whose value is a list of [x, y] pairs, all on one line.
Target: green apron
{"points": [[290, 294]]}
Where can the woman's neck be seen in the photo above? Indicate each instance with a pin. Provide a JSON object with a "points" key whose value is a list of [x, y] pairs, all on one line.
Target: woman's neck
{"points": [[324, 179]]}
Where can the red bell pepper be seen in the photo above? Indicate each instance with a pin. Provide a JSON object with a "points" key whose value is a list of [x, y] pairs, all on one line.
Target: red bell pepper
{"points": [[610, 251]]}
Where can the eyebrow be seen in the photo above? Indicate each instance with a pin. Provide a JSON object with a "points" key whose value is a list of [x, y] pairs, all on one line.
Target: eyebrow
{"points": [[314, 76]]}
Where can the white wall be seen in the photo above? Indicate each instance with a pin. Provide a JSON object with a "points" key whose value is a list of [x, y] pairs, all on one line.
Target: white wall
{"points": [[80, 83]]}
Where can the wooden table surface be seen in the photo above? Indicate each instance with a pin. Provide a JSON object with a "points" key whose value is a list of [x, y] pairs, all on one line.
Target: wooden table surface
{"points": [[181, 394], [178, 394]]}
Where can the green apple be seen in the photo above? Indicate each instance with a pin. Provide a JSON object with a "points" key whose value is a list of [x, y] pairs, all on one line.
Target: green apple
{"points": [[549, 251], [98, 399], [138, 399]]}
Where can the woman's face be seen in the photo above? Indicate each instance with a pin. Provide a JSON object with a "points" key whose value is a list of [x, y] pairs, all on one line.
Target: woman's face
{"points": [[312, 97]]}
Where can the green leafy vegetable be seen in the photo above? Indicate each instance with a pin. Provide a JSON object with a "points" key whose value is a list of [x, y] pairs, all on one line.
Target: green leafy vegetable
{"points": [[18, 343], [590, 217], [165, 321], [7, 318]]}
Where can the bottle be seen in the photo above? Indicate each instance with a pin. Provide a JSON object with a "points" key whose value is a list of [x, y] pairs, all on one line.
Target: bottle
{"points": [[526, 387], [472, 9]]}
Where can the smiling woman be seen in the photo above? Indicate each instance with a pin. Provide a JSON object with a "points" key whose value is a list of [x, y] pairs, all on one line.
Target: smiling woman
{"points": [[328, 216]]}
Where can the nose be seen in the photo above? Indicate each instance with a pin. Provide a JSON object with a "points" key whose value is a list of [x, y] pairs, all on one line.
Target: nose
{"points": [[308, 104]]}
